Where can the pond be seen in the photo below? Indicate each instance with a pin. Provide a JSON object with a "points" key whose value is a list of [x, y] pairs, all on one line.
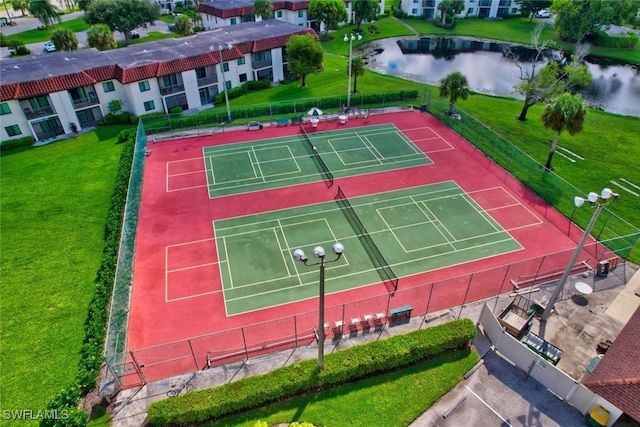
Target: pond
{"points": [[614, 88]]}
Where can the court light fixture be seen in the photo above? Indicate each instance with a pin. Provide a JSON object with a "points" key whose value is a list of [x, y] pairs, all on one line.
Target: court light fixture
{"points": [[595, 201], [318, 252], [350, 38]]}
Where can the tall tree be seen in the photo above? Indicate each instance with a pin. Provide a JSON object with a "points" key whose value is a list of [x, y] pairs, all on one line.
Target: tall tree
{"points": [[357, 69], [577, 19], [329, 12], [122, 15], [263, 8], [454, 86], [84, 4], [44, 11], [65, 39], [566, 112], [21, 5], [364, 10], [449, 9], [542, 81], [529, 8], [183, 25], [305, 56], [101, 37]]}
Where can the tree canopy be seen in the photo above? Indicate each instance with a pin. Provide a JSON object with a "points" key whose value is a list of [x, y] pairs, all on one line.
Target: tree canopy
{"points": [[566, 112], [357, 69], [122, 15], [449, 9], [530, 7], [65, 39], [364, 10], [305, 56], [454, 86], [577, 19], [101, 37], [263, 8], [329, 12], [183, 25], [44, 11]]}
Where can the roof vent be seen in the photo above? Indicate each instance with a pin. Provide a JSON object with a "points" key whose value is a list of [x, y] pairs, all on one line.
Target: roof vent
{"points": [[15, 67]]}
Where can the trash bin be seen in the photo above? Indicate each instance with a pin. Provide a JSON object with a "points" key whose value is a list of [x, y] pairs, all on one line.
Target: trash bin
{"points": [[423, 108]]}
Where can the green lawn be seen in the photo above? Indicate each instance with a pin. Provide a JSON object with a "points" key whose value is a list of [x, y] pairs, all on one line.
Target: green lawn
{"points": [[36, 36], [54, 204], [152, 37], [391, 399]]}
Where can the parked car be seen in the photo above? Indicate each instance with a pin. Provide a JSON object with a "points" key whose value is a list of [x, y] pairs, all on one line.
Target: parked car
{"points": [[543, 13], [49, 47], [134, 34], [172, 27]]}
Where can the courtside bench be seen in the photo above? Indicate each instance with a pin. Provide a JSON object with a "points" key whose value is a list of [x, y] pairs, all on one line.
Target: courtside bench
{"points": [[401, 313], [282, 122]]}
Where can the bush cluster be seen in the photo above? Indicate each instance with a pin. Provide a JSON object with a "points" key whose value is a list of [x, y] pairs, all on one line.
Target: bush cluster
{"points": [[340, 367], [12, 144], [600, 38], [98, 313], [249, 86], [124, 118]]}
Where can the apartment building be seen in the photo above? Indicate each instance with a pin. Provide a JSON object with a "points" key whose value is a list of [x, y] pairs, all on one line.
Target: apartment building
{"points": [[473, 8], [49, 95]]}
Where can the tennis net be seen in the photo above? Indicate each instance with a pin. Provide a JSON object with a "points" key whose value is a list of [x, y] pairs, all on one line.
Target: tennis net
{"points": [[382, 266], [322, 166]]}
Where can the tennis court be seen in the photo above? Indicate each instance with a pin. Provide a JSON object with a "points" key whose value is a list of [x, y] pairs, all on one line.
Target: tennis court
{"points": [[303, 158], [401, 232]]}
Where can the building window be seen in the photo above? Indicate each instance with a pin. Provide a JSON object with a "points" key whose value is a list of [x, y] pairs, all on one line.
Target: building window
{"points": [[414, 11], [13, 130], [279, 14], [225, 67], [227, 84], [243, 77], [149, 105], [241, 61], [470, 12], [108, 87], [4, 109], [233, 21], [514, 10], [301, 14], [144, 86]]}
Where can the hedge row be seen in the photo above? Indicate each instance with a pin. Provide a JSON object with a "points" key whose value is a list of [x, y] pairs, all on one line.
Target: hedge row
{"points": [[340, 367], [249, 86], [98, 313], [12, 144], [214, 116], [600, 38]]}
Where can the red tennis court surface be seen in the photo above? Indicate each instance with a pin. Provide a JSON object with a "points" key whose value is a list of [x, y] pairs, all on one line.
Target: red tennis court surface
{"points": [[177, 293]]}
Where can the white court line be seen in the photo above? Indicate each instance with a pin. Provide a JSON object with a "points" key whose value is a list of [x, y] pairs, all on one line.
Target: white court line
{"points": [[560, 153], [571, 152], [488, 406], [286, 243], [630, 183], [228, 264], [257, 162], [624, 188], [370, 147], [286, 264]]}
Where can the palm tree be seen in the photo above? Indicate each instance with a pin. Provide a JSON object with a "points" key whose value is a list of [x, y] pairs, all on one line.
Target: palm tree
{"points": [[44, 11], [357, 69], [454, 86], [564, 112], [263, 9]]}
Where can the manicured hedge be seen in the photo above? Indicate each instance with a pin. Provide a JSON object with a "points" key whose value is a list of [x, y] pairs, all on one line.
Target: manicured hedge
{"points": [[12, 144], [340, 367], [66, 401], [602, 39]]}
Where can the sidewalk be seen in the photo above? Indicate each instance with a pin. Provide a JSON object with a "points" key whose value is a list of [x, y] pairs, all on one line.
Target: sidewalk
{"points": [[496, 393]]}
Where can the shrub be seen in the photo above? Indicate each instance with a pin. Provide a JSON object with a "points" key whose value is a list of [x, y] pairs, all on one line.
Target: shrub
{"points": [[340, 367], [629, 41], [12, 144], [198, 29], [175, 110], [23, 50]]}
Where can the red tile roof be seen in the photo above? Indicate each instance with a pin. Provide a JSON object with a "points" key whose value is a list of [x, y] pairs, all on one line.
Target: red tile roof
{"points": [[617, 376], [185, 64], [53, 84], [8, 92]]}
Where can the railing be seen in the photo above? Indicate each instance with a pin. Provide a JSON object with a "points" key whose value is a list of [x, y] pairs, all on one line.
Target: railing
{"points": [[39, 112], [41, 136], [204, 81], [167, 90], [85, 102], [261, 64]]}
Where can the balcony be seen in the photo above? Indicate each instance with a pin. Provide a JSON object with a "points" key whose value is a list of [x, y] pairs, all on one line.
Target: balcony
{"points": [[39, 112], [168, 90], [85, 102], [261, 64], [208, 80]]}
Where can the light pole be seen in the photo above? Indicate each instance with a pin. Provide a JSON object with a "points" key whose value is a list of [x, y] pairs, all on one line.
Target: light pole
{"points": [[350, 38], [224, 80], [318, 252], [596, 201]]}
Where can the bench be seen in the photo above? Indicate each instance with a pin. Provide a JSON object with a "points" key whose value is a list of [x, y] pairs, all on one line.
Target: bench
{"points": [[282, 122], [401, 312], [295, 120]]}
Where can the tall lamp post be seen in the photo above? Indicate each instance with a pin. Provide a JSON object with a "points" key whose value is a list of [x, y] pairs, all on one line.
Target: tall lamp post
{"points": [[350, 38], [224, 79], [318, 252], [596, 201]]}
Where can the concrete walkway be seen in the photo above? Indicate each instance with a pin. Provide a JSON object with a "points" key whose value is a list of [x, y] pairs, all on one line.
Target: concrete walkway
{"points": [[496, 393]]}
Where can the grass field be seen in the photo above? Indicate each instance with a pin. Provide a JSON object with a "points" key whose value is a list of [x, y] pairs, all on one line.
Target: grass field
{"points": [[393, 399], [54, 204], [35, 36]]}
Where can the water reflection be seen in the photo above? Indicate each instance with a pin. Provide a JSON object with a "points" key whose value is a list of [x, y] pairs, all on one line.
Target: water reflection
{"points": [[614, 88]]}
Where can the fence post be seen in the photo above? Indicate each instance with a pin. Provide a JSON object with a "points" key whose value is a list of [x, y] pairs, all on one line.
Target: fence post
{"points": [[193, 354], [504, 279], [426, 311], [138, 367], [465, 295], [244, 342], [538, 270], [295, 328]]}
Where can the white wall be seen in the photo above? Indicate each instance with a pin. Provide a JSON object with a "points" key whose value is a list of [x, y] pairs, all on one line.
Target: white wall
{"points": [[16, 117]]}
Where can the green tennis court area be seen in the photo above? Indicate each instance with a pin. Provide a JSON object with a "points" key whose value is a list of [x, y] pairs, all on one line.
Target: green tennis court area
{"points": [[414, 230], [280, 162]]}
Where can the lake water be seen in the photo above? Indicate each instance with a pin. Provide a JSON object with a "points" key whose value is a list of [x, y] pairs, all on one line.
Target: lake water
{"points": [[614, 88]]}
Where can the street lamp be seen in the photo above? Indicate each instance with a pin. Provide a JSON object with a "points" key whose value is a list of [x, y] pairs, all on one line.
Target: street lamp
{"points": [[224, 79], [350, 38], [318, 252], [595, 201]]}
